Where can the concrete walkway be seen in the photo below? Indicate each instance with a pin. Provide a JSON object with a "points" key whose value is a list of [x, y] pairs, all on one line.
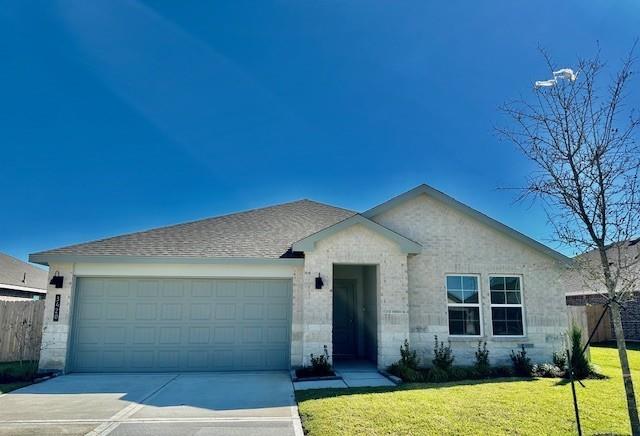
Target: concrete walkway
{"points": [[154, 404], [355, 374]]}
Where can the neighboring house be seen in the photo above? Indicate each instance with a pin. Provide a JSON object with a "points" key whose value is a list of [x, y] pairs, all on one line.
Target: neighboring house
{"points": [[21, 281], [592, 293], [264, 289]]}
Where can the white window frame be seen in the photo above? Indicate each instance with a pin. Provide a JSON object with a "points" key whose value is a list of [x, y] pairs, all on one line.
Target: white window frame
{"points": [[521, 305], [478, 304]]}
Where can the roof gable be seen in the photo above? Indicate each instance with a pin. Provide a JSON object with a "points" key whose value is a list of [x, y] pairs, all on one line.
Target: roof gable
{"points": [[406, 245], [463, 208]]}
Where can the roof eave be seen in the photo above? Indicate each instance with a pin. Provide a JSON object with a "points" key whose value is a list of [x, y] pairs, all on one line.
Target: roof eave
{"points": [[49, 258]]}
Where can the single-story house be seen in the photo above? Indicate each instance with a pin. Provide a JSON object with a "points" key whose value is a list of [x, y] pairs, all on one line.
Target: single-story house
{"points": [[21, 281], [266, 288], [592, 293]]}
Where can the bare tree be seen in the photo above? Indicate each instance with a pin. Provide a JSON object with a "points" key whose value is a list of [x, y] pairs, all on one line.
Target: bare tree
{"points": [[580, 135]]}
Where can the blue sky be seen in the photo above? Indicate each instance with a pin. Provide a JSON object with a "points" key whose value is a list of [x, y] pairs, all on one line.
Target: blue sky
{"points": [[126, 115]]}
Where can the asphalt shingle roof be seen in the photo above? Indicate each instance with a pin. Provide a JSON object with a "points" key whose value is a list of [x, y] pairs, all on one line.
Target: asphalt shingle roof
{"points": [[12, 272], [260, 233]]}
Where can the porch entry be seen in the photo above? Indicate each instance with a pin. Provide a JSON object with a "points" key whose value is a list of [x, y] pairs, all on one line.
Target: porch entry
{"points": [[355, 312]]}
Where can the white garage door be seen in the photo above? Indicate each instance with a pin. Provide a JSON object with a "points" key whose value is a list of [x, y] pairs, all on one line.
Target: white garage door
{"points": [[165, 325]]}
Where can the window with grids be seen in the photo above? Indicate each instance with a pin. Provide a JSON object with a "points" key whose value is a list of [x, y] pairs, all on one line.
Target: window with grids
{"points": [[463, 300], [506, 306]]}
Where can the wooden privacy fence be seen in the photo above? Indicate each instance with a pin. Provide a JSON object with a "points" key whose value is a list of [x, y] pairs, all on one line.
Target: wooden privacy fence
{"points": [[578, 315], [603, 332], [20, 330]]}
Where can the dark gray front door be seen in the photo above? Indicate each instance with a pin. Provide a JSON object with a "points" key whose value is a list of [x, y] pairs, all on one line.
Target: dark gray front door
{"points": [[344, 318], [165, 325]]}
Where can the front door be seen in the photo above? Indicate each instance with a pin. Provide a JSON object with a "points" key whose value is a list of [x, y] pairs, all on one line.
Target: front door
{"points": [[344, 322]]}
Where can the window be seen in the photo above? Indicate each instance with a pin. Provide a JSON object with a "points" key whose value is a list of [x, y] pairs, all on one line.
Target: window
{"points": [[463, 300], [506, 306]]}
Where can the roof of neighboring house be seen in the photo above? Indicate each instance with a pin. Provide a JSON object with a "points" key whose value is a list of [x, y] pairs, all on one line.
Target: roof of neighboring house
{"points": [[19, 275], [590, 261], [268, 233]]}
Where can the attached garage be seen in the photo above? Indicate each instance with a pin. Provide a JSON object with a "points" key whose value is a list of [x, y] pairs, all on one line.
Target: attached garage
{"points": [[165, 325]]}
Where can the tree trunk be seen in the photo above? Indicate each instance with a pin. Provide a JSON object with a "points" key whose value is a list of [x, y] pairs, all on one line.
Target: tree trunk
{"points": [[626, 372]]}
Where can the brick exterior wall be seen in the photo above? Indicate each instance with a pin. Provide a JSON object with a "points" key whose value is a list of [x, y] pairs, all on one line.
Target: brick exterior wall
{"points": [[630, 314], [455, 243], [55, 334]]}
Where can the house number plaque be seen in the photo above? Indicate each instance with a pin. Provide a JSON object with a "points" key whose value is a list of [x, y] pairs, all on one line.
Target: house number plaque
{"points": [[56, 308]]}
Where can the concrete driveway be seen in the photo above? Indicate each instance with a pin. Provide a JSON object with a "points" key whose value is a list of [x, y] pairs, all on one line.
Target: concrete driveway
{"points": [[154, 404]]}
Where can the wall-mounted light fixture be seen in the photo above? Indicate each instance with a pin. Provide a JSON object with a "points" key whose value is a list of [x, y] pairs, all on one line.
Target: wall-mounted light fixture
{"points": [[57, 280], [319, 282]]}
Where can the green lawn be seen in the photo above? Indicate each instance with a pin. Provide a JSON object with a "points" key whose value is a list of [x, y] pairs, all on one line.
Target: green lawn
{"points": [[500, 406]]}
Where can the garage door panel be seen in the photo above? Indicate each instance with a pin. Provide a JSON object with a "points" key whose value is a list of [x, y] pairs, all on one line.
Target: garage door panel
{"points": [[275, 359], [115, 336], [113, 359], [252, 311], [277, 312], [144, 335], [252, 335], [200, 311], [91, 311], [93, 287], [90, 336], [143, 360], [198, 360], [199, 335], [147, 288], [171, 312], [253, 288], [170, 336], [277, 335], [225, 311], [89, 359], [277, 289], [116, 311], [128, 325], [201, 288], [145, 311], [226, 288], [222, 359], [173, 288], [224, 334], [117, 288]]}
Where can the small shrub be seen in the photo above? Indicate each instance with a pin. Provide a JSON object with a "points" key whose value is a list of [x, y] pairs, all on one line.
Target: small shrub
{"points": [[481, 364], [407, 367], [560, 360], [437, 375], [501, 371], [548, 370], [521, 363], [408, 357], [442, 356], [409, 375], [462, 373], [320, 366], [578, 361]]}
